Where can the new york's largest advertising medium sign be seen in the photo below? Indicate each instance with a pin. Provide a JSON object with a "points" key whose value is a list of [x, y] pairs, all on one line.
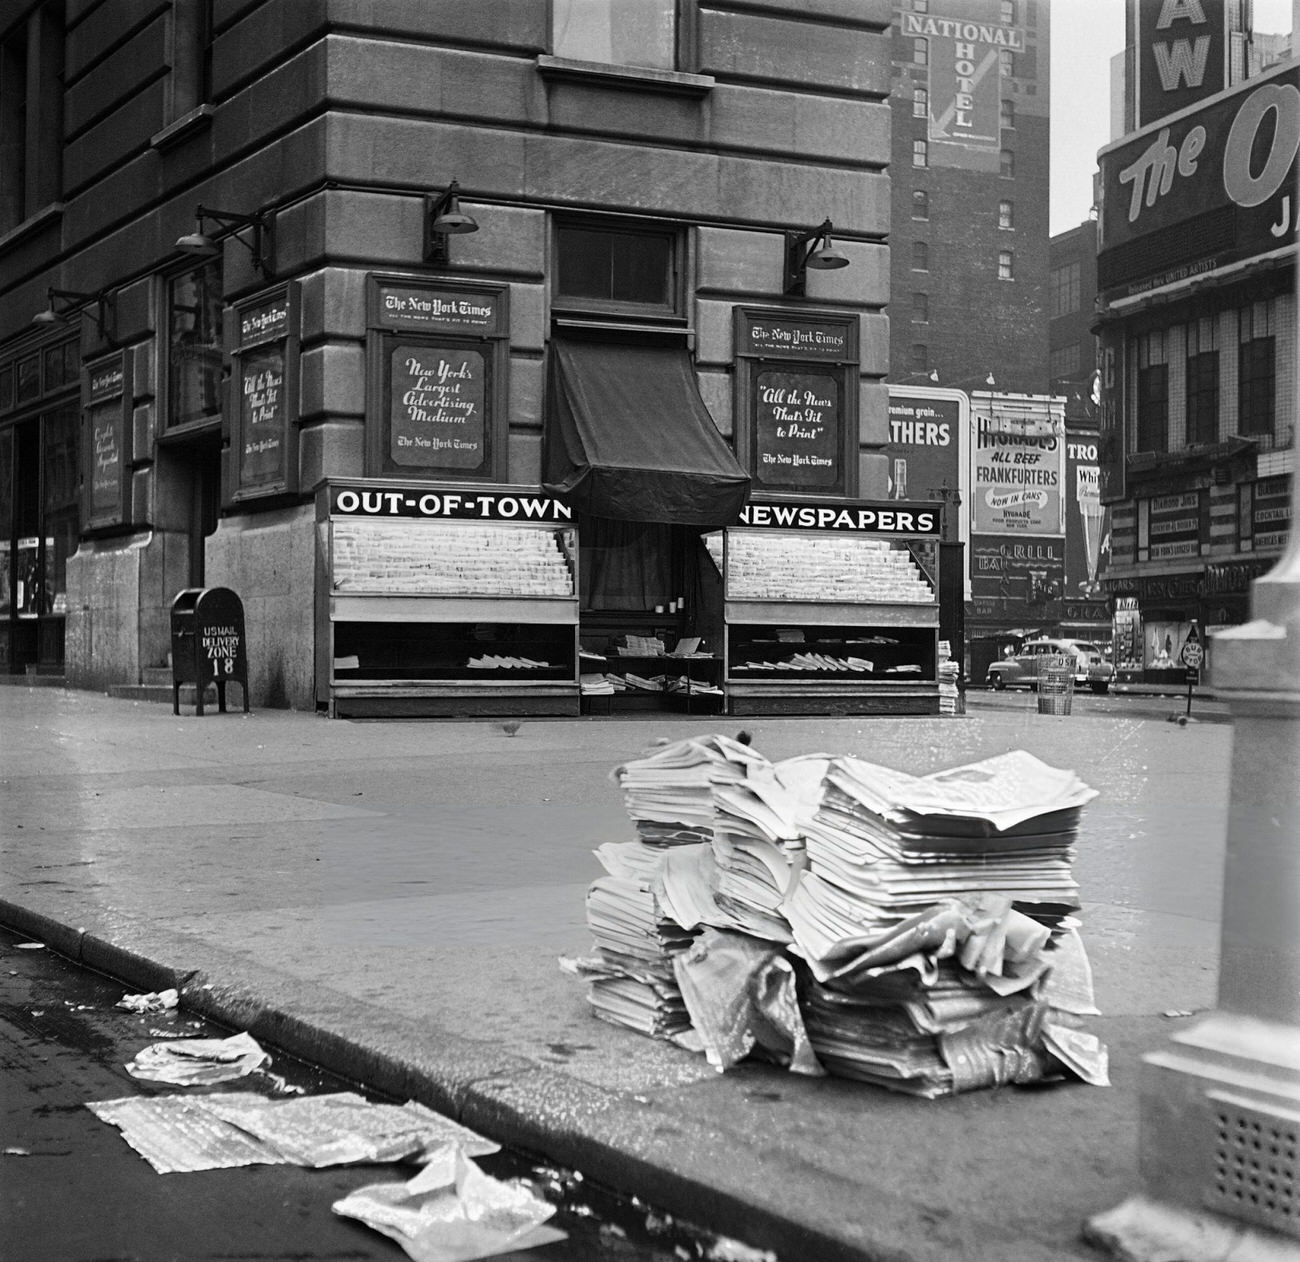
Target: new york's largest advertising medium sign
{"points": [[1213, 186]]}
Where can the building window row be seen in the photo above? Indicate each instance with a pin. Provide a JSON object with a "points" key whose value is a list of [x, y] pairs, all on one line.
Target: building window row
{"points": [[1202, 379], [1065, 289]]}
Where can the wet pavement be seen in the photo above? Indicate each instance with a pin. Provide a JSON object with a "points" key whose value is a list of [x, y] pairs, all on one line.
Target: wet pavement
{"points": [[389, 900], [75, 1191]]}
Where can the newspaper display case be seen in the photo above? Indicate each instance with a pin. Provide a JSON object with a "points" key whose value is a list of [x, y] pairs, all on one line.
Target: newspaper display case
{"points": [[439, 602], [830, 621]]}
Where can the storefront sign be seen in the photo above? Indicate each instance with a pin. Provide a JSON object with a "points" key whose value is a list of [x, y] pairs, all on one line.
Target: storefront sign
{"points": [[262, 415], [1266, 514], [1230, 166], [106, 443], [1182, 55], [1029, 570], [385, 500], [797, 429], [795, 382], [438, 415], [889, 518], [1231, 578], [438, 309], [265, 358], [1016, 487], [1170, 526], [783, 337], [964, 86], [437, 356]]}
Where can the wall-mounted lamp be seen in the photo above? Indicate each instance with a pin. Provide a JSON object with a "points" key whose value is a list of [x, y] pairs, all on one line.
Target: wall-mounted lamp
{"points": [[262, 246], [74, 300], [443, 217], [809, 249]]}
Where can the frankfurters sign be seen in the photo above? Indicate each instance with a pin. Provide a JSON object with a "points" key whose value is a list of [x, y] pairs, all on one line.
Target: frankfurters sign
{"points": [[1236, 155]]}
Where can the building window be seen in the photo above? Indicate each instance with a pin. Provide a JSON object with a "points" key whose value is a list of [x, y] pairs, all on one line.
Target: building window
{"points": [[920, 52], [1007, 164], [1007, 117], [1007, 62], [190, 81], [920, 308], [920, 204], [617, 32], [920, 256], [1065, 290], [1152, 393], [31, 115], [1008, 10], [920, 153], [1006, 265], [920, 358], [1006, 215], [920, 103], [194, 345], [1202, 382], [1256, 369], [920, 6], [1063, 362], [617, 268]]}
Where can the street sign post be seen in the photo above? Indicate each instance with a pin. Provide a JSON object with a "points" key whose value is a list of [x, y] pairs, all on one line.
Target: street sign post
{"points": [[1192, 656]]}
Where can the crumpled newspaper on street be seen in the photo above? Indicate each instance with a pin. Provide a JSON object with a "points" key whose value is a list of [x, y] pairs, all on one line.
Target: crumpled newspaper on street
{"points": [[198, 1062], [453, 1212], [153, 1001]]}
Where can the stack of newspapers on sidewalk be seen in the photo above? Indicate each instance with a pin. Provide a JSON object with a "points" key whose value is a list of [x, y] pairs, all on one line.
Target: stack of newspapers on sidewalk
{"points": [[836, 916]]}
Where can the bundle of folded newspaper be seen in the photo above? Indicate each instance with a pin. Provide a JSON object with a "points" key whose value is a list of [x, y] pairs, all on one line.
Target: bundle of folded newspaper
{"points": [[916, 932]]}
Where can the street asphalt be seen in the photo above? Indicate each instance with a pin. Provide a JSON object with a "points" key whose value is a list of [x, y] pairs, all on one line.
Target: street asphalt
{"points": [[389, 900]]}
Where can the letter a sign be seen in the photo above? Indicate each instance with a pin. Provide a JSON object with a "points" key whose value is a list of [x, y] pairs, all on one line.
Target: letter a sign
{"points": [[1182, 54]]}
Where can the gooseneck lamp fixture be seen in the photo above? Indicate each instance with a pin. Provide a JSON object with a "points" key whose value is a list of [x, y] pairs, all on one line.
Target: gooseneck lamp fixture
{"points": [[63, 302], [261, 246], [443, 217], [810, 249]]}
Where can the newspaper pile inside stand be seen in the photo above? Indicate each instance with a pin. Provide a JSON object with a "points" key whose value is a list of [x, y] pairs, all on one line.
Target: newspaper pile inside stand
{"points": [[927, 921]]}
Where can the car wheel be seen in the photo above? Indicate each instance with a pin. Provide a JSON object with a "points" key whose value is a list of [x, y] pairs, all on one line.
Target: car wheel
{"points": [[997, 683], [1100, 687], [1033, 687]]}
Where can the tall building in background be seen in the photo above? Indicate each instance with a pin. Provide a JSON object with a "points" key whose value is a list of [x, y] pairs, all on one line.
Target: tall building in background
{"points": [[1197, 330], [969, 200]]}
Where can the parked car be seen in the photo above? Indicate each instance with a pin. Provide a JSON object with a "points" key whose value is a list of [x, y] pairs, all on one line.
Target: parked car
{"points": [[1023, 668]]}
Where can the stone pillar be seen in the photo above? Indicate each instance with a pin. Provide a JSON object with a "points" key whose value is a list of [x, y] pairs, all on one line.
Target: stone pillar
{"points": [[1219, 1135]]}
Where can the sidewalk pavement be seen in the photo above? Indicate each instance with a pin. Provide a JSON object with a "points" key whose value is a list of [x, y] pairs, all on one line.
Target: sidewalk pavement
{"points": [[389, 899]]}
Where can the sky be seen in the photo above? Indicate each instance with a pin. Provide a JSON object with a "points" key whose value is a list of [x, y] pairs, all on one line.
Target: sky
{"points": [[1085, 35]]}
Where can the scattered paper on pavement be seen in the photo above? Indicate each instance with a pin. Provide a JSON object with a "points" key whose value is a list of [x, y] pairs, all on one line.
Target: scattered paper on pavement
{"points": [[153, 1001], [180, 1134], [453, 1212], [177, 1133], [198, 1062], [345, 1129]]}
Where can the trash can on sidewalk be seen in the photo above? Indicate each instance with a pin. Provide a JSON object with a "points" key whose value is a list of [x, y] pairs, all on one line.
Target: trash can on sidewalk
{"points": [[1055, 684]]}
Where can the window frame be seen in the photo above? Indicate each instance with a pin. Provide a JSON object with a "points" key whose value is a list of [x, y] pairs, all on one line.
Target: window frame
{"points": [[1256, 369], [1201, 382], [1006, 215], [920, 307], [920, 51], [920, 102], [920, 256], [1151, 398], [920, 150], [685, 40], [1065, 286], [206, 420], [1007, 164], [921, 205], [1006, 265], [672, 312]]}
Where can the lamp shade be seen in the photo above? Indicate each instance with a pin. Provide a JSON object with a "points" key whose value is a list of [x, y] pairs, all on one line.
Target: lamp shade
{"points": [[198, 243], [827, 259], [453, 220]]}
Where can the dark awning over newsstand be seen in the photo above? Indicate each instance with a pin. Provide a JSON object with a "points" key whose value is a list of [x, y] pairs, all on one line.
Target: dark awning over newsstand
{"points": [[628, 437]]}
